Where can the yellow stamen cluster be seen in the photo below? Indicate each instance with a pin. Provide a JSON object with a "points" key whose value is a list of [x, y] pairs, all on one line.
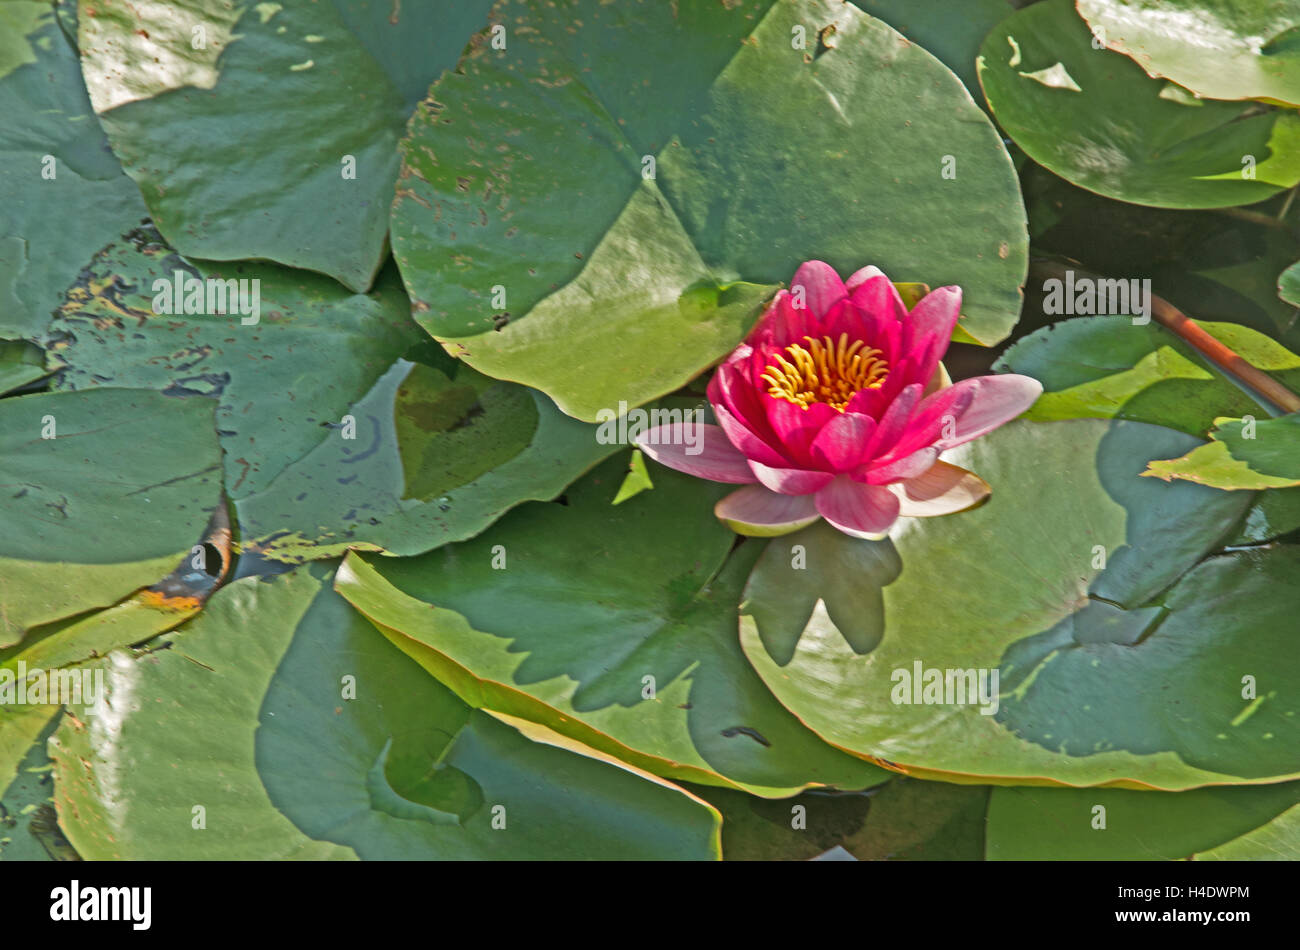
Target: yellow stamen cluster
{"points": [[825, 371]]}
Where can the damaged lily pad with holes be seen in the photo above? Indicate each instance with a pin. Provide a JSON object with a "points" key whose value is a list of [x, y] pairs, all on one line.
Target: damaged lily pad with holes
{"points": [[1096, 119]]}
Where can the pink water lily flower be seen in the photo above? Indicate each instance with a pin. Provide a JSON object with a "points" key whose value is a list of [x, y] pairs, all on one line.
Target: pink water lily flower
{"points": [[837, 406]]}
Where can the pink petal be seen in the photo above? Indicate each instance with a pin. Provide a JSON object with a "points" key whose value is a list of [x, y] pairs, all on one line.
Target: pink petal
{"points": [[934, 315], [841, 442], [749, 443], [757, 512], [790, 481], [909, 466], [717, 459], [731, 388], [943, 489], [783, 323], [796, 427], [878, 296], [822, 286], [995, 400], [861, 511], [862, 275], [928, 422], [894, 422]]}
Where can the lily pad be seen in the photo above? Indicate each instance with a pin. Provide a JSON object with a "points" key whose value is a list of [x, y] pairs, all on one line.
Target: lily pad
{"points": [[20, 363], [435, 458], [106, 491], [1095, 118], [19, 727], [1288, 285], [1274, 514], [613, 625], [268, 130], [951, 31], [1102, 824], [709, 155], [1107, 367], [55, 166], [1279, 840], [1219, 49], [29, 829], [136, 619], [1245, 454], [285, 352], [903, 820], [1104, 675], [319, 739]]}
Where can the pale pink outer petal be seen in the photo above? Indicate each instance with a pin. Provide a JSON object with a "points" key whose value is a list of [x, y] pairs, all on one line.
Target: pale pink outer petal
{"points": [[860, 511], [757, 512], [822, 287], [910, 466], [942, 490], [717, 459], [790, 481], [995, 400]]}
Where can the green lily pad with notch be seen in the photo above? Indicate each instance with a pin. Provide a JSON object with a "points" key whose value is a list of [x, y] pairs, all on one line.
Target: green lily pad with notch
{"points": [[1107, 367], [50, 129], [1064, 824], [1095, 118], [305, 734], [613, 625], [290, 113], [1061, 584], [1269, 457], [309, 350], [438, 454], [1219, 49], [105, 507], [602, 212]]}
